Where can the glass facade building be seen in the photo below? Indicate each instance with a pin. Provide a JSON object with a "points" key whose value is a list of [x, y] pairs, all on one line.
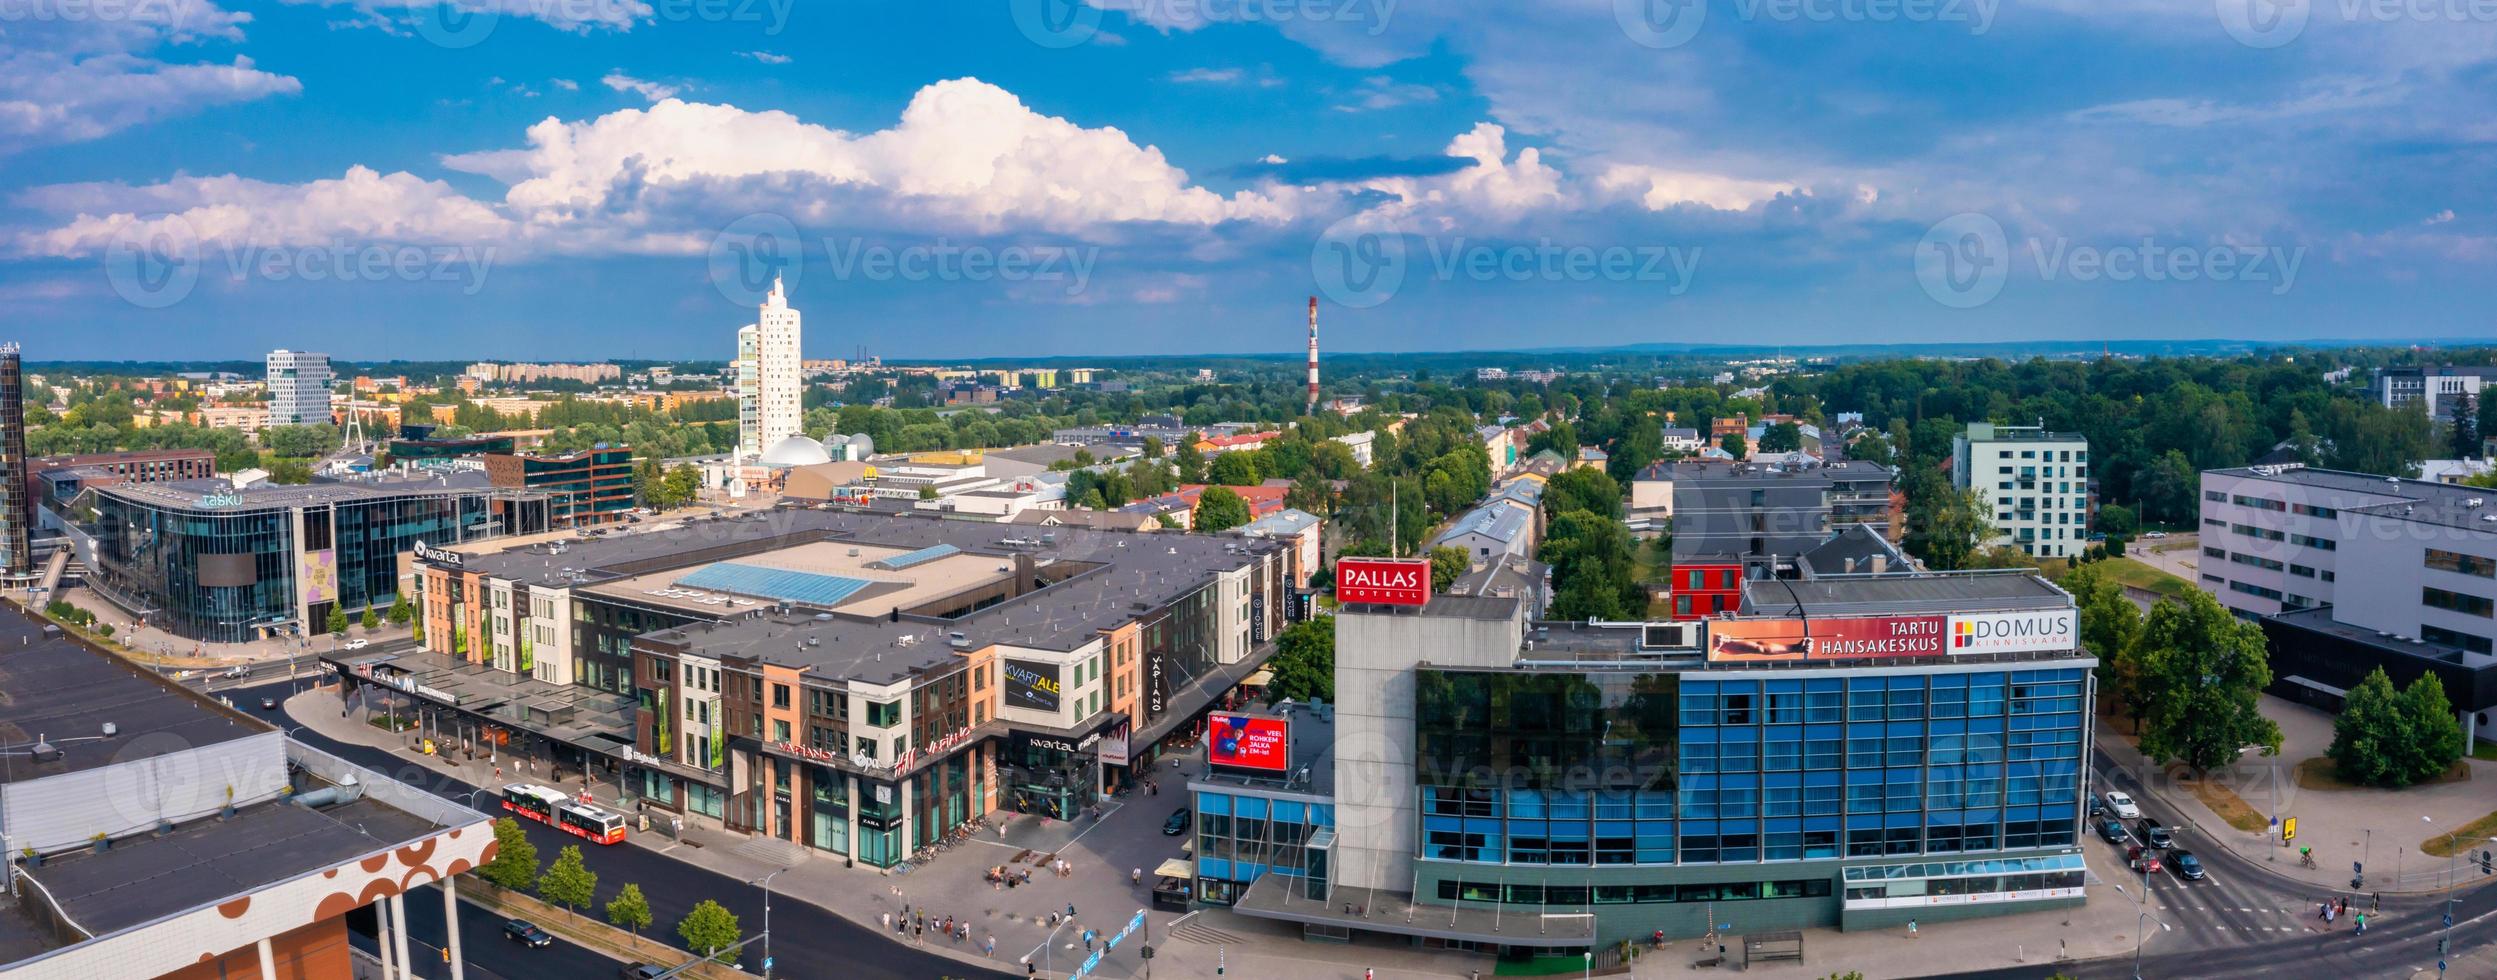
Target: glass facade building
{"points": [[1242, 837]]}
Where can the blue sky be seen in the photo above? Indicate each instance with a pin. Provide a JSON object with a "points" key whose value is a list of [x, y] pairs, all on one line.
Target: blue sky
{"points": [[610, 178]]}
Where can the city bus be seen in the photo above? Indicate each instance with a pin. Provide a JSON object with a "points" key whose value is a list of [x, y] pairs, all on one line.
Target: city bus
{"points": [[552, 808]]}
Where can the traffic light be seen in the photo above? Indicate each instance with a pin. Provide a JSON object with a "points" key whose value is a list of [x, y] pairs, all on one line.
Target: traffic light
{"points": [[2484, 862]]}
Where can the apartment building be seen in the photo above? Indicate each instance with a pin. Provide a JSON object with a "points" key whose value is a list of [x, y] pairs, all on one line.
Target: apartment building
{"points": [[2035, 484], [299, 383]]}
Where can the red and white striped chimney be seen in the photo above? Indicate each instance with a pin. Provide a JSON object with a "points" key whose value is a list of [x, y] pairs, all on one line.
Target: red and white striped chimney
{"points": [[1313, 354]]}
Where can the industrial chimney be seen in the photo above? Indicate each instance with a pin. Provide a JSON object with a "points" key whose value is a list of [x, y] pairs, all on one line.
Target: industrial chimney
{"points": [[1313, 355]]}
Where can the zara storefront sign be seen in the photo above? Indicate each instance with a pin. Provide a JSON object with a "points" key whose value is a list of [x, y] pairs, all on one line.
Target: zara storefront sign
{"points": [[2015, 632], [425, 552], [1387, 581]]}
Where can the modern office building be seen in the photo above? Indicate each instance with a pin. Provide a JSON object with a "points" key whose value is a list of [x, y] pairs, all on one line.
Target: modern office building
{"points": [[1853, 752], [2435, 389], [417, 444], [2421, 597], [206, 560], [55, 480], [154, 832], [2036, 485], [583, 489], [299, 388], [17, 506], [859, 683], [1735, 521], [769, 379]]}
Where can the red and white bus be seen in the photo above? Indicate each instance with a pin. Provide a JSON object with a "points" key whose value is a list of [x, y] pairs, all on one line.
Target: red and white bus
{"points": [[550, 807]]}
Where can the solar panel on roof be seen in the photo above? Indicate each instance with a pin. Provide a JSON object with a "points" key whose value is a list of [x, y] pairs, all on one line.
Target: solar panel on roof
{"points": [[919, 557], [812, 588]]}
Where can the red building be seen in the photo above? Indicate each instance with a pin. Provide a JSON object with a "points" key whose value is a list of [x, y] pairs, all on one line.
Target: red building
{"points": [[1705, 588]]}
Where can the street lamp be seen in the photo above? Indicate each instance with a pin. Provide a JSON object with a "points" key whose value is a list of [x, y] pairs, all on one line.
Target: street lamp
{"points": [[766, 882], [2139, 920]]}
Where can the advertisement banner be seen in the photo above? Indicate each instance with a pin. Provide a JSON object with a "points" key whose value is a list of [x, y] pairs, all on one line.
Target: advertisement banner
{"points": [[1031, 684], [319, 574], [1739, 640], [1114, 746], [2015, 632], [1387, 581], [1247, 742]]}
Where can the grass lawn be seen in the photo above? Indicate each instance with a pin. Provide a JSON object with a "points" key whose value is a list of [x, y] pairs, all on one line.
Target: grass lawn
{"points": [[2140, 576], [2484, 751], [2225, 802], [2464, 838], [2316, 773]]}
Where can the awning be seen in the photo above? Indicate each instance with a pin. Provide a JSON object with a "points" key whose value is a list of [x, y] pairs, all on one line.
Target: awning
{"points": [[1176, 868], [1262, 678]]}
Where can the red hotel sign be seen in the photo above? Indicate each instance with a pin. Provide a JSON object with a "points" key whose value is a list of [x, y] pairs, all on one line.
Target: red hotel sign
{"points": [[1392, 581]]}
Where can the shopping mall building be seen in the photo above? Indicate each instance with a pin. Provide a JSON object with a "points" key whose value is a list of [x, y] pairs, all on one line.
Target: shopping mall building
{"points": [[859, 683], [1852, 751]]}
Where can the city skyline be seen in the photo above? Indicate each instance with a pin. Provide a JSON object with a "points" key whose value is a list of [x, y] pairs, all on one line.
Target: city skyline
{"points": [[1040, 179]]}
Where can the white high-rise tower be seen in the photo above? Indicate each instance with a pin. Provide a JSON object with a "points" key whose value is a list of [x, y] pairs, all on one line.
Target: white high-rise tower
{"points": [[768, 377], [298, 388]]}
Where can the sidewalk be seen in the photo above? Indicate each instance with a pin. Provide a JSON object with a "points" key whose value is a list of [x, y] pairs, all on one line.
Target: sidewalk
{"points": [[1128, 837], [2380, 829]]}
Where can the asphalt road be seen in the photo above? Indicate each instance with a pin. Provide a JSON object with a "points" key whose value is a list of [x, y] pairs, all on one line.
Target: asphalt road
{"points": [[484, 951], [807, 941]]}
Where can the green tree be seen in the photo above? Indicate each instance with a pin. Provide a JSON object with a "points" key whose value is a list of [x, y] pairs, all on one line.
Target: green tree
{"points": [[2432, 739], [680, 486], [709, 928], [400, 612], [2169, 489], [2209, 670], [1233, 470], [2111, 629], [290, 472], [1191, 463], [648, 473], [1304, 661], [1586, 488], [2367, 734], [2117, 521], [515, 863], [1954, 528], [1733, 443], [2466, 430], [371, 619], [336, 625], [927, 491], [300, 441], [1448, 563], [629, 909], [568, 882], [1152, 447], [1784, 437], [1220, 509]]}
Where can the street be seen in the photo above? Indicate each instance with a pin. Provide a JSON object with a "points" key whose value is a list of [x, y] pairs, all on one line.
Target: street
{"points": [[807, 942], [484, 950]]}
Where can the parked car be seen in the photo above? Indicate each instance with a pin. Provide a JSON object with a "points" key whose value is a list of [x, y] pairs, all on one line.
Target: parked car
{"points": [[1179, 823], [2154, 534], [527, 933], [268, 703], [2123, 806], [358, 643], [2142, 859], [2097, 807], [643, 971], [2186, 865], [2113, 831], [2156, 835]]}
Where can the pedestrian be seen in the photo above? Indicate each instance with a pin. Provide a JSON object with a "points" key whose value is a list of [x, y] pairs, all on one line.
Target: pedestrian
{"points": [[2379, 899], [1135, 877], [1070, 910], [2323, 911], [886, 920], [1028, 968], [1911, 928], [2362, 923], [989, 948]]}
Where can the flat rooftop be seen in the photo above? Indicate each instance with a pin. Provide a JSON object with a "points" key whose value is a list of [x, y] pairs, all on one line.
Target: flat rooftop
{"points": [[1095, 580], [884, 591], [145, 878], [189, 493], [58, 690], [2318, 619], [1883, 595]]}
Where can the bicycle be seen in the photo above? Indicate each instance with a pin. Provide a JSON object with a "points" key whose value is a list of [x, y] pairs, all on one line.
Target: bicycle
{"points": [[2306, 859]]}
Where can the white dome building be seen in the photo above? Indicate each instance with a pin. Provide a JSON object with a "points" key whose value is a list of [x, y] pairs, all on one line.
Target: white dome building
{"points": [[795, 451]]}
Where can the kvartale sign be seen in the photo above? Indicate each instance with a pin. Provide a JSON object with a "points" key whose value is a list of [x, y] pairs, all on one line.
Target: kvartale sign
{"points": [[1390, 581]]}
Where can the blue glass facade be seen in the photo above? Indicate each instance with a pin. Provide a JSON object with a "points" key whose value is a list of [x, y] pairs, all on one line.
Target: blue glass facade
{"points": [[1240, 838], [1560, 769]]}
